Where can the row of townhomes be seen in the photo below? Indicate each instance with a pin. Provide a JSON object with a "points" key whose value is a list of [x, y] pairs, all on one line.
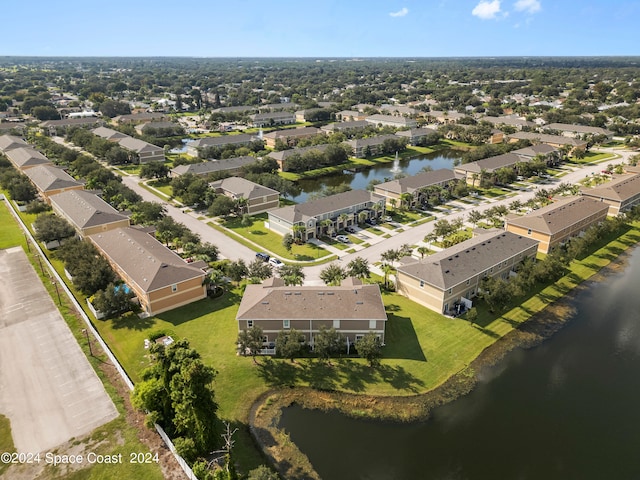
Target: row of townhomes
{"points": [[449, 280], [351, 308], [141, 151], [472, 170], [318, 217], [160, 279]]}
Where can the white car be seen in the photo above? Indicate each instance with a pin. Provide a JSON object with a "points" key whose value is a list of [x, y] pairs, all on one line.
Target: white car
{"points": [[275, 262], [343, 239]]}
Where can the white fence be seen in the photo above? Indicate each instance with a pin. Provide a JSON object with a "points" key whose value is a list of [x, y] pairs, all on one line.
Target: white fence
{"points": [[52, 272]]}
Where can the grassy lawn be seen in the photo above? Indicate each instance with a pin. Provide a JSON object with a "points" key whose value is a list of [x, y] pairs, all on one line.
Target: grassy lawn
{"points": [[164, 186], [405, 216], [269, 240], [9, 236], [6, 440], [593, 157], [129, 169], [374, 230], [112, 438]]}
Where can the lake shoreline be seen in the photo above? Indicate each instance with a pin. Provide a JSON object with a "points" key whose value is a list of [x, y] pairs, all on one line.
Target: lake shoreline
{"points": [[292, 463]]}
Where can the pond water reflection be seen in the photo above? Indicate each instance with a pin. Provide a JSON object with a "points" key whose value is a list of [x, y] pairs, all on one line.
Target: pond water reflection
{"points": [[567, 409]]}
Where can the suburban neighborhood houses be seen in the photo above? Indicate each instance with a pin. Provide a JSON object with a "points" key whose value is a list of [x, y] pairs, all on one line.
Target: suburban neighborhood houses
{"points": [[345, 234]]}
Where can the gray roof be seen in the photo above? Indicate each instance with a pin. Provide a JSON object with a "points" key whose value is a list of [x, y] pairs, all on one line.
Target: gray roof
{"points": [[151, 125], [138, 146], [416, 132], [568, 127], [492, 163], [293, 132], [26, 157], [240, 187], [546, 138], [272, 115], [86, 209], [508, 120], [132, 117], [559, 215], [71, 121], [144, 259], [349, 301], [534, 150], [108, 133], [379, 118], [618, 190], [222, 140], [332, 203], [48, 177], [8, 142], [339, 126], [415, 182], [236, 109], [370, 141], [203, 168], [284, 154], [465, 260]]}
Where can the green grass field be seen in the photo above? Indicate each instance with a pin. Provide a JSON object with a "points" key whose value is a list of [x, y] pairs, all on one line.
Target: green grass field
{"points": [[270, 240]]}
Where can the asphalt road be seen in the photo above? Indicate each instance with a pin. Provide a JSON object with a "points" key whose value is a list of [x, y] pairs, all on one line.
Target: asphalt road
{"points": [[48, 389], [412, 236]]}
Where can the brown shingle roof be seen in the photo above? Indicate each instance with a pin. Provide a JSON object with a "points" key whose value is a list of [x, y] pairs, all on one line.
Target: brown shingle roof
{"points": [[8, 142], [415, 182], [144, 259], [465, 260], [560, 215], [86, 209], [619, 190], [241, 187], [48, 177], [346, 302], [26, 157]]}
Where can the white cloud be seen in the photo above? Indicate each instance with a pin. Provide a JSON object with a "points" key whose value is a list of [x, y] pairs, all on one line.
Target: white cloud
{"points": [[400, 13], [529, 6], [487, 10]]}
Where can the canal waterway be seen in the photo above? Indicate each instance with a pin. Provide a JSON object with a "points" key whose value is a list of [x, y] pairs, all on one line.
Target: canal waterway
{"points": [[360, 180], [566, 409]]}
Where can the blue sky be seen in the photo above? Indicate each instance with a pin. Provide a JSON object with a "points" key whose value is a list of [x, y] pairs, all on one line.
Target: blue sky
{"points": [[321, 28]]}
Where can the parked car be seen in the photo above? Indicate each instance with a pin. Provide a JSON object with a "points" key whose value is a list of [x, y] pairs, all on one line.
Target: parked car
{"points": [[350, 229], [343, 239], [262, 256], [387, 219], [371, 221], [275, 262]]}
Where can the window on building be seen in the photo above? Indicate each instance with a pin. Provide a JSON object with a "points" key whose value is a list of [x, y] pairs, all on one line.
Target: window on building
{"points": [[468, 281], [450, 290], [174, 288], [336, 324], [359, 336], [422, 283], [372, 324], [286, 324], [249, 323], [529, 232]]}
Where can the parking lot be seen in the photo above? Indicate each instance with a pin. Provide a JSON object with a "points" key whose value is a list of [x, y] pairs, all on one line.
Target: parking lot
{"points": [[48, 389]]}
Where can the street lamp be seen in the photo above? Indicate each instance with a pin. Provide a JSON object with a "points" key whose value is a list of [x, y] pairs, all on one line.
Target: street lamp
{"points": [[26, 239], [86, 333], [40, 262], [55, 284]]}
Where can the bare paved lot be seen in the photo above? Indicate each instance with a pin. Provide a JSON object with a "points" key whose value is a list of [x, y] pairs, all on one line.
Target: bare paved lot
{"points": [[48, 389]]}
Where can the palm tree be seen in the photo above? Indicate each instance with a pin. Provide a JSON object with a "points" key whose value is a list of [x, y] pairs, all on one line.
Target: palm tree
{"points": [[430, 238], [215, 280], [240, 205], [386, 270], [333, 274], [483, 176], [390, 256], [358, 267], [405, 200], [423, 251], [298, 232], [377, 208], [342, 219], [326, 225], [457, 224], [362, 216], [474, 216], [394, 203], [292, 274], [474, 178]]}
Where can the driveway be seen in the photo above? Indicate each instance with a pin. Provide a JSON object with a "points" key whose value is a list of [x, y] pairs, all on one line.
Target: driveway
{"points": [[48, 389]]}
